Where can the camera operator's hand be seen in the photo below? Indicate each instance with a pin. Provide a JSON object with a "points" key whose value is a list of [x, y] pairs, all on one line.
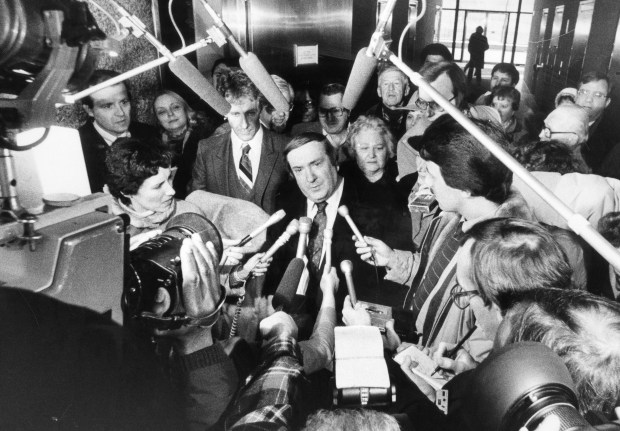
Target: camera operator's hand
{"points": [[462, 362], [201, 294], [373, 247], [352, 316], [278, 324]]}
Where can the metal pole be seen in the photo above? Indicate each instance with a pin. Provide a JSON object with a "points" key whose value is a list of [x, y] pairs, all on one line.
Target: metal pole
{"points": [[71, 98]]}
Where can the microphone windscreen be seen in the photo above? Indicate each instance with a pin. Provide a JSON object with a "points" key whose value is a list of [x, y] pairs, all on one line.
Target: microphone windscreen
{"points": [[362, 71], [192, 77], [285, 293], [255, 70]]}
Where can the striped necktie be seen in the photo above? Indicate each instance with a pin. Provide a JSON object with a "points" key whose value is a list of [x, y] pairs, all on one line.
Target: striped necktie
{"points": [[245, 165], [315, 239]]}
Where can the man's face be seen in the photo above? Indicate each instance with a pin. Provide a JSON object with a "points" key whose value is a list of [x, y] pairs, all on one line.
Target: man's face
{"points": [[504, 107], [316, 177], [332, 116], [275, 120], [111, 109], [371, 153], [443, 85], [155, 194], [448, 198], [501, 78], [563, 126], [392, 87], [592, 96], [244, 117]]}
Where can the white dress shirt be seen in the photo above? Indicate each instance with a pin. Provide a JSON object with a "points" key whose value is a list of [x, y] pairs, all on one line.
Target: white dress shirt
{"points": [[256, 146], [108, 137]]}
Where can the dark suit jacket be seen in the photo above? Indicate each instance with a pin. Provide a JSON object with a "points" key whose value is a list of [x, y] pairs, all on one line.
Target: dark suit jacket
{"points": [[364, 275], [95, 149], [602, 138], [210, 171]]}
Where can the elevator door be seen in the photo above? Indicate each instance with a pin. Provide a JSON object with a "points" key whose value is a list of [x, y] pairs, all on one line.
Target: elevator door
{"points": [[541, 53], [580, 41]]}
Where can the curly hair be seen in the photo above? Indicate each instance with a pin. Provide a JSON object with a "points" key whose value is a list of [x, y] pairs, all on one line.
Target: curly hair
{"points": [[584, 330], [238, 85], [129, 162], [370, 122]]}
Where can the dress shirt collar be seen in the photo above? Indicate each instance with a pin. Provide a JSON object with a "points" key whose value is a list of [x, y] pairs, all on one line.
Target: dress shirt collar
{"points": [[255, 142], [333, 202], [108, 137]]}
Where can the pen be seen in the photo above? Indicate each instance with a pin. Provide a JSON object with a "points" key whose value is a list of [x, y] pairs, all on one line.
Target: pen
{"points": [[452, 352]]}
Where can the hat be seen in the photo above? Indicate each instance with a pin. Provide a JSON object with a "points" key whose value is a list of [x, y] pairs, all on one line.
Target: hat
{"points": [[486, 113]]}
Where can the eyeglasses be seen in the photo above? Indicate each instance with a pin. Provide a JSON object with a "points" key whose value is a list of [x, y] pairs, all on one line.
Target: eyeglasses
{"points": [[424, 105], [597, 94], [306, 103], [334, 112], [547, 133], [462, 297]]}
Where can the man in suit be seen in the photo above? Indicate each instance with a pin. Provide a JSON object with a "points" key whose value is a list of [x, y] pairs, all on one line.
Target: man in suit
{"points": [[393, 89], [109, 110], [333, 117], [318, 192], [246, 162]]}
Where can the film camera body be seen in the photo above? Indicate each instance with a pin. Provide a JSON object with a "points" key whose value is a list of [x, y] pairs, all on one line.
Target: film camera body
{"points": [[156, 263]]}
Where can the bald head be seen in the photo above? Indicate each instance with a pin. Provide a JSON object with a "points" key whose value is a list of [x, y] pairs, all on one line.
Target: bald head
{"points": [[567, 124]]}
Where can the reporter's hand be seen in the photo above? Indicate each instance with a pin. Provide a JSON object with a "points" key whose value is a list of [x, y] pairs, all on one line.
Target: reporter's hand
{"points": [[424, 387], [278, 324], [462, 362], [330, 282], [391, 340], [136, 241], [357, 316], [371, 246], [232, 254], [253, 266]]}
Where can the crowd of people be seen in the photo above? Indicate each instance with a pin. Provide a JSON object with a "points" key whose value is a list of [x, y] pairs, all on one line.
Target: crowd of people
{"points": [[456, 246]]}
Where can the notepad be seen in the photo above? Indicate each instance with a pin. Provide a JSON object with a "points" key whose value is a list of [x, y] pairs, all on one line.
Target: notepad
{"points": [[359, 358]]}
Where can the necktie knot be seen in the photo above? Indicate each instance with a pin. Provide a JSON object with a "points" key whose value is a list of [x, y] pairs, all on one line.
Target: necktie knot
{"points": [[245, 149], [320, 206]]}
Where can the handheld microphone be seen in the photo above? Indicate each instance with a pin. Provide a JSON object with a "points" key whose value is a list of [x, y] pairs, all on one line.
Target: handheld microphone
{"points": [[305, 224], [344, 212], [285, 293], [291, 230], [327, 246], [273, 219], [251, 65], [347, 269]]}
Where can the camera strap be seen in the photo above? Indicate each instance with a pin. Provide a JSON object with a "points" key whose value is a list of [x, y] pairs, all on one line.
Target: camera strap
{"points": [[176, 321]]}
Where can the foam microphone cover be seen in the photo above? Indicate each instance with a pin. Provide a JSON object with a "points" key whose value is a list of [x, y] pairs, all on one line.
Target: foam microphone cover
{"points": [[192, 77], [362, 71], [285, 293], [255, 70]]}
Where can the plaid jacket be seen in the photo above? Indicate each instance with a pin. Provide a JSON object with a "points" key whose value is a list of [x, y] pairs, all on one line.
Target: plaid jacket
{"points": [[272, 396]]}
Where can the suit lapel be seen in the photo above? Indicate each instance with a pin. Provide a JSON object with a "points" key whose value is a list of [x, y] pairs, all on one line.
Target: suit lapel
{"points": [[267, 163], [223, 160]]}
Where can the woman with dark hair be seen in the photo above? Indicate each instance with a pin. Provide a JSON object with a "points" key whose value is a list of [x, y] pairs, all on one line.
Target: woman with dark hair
{"points": [[180, 136], [140, 181]]}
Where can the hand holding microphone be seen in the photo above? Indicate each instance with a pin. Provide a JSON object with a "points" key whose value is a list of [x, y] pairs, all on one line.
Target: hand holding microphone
{"points": [[344, 212]]}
